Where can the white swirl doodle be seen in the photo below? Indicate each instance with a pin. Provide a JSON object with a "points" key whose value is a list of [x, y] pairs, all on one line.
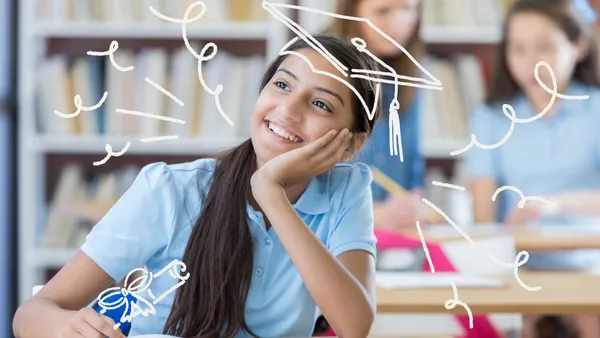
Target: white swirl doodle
{"points": [[451, 304], [200, 57], [80, 107], [523, 199], [110, 153], [431, 267], [448, 185], [164, 91], [152, 116], [114, 45], [518, 262], [135, 288], [159, 138], [513, 116]]}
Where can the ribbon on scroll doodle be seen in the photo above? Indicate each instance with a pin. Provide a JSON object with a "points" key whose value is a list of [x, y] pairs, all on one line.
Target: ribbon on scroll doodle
{"points": [[136, 288]]}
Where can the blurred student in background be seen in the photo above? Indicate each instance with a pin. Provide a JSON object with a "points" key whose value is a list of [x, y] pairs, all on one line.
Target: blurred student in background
{"points": [[400, 20], [556, 154]]}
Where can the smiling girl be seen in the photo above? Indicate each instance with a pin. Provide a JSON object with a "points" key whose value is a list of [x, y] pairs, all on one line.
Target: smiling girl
{"points": [[268, 231]]}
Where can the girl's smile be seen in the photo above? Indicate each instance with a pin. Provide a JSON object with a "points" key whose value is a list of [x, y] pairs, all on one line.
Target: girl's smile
{"points": [[282, 133]]}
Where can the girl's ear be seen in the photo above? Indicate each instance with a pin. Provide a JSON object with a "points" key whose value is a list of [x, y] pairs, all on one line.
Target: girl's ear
{"points": [[582, 48], [357, 142]]}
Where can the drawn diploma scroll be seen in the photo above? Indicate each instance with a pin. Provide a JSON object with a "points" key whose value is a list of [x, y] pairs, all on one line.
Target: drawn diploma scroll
{"points": [[136, 288], [394, 119]]}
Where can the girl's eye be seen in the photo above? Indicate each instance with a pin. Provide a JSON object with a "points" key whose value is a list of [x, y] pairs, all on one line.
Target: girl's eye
{"points": [[322, 105], [281, 85]]}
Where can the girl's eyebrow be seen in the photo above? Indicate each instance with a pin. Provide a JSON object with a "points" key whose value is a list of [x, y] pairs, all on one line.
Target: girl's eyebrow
{"points": [[328, 91]]}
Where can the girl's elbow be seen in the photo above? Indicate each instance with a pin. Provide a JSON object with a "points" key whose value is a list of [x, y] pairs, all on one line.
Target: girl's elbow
{"points": [[359, 327]]}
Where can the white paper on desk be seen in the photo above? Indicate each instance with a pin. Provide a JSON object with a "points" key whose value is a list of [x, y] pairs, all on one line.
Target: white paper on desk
{"points": [[448, 231], [412, 280], [568, 230]]}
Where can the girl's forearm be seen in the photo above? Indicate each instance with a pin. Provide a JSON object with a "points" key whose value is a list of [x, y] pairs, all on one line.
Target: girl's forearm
{"points": [[39, 318], [584, 202], [338, 294]]}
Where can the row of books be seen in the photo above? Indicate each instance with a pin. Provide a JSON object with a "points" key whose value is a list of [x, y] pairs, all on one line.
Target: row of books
{"points": [[464, 12], [78, 202], [445, 112], [139, 10], [62, 78]]}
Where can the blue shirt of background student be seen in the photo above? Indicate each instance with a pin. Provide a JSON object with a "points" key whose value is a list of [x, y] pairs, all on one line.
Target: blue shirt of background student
{"points": [[376, 151], [151, 224], [554, 154]]}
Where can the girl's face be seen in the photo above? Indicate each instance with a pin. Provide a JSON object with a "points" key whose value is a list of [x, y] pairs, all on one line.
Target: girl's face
{"points": [[297, 106], [532, 38], [396, 18]]}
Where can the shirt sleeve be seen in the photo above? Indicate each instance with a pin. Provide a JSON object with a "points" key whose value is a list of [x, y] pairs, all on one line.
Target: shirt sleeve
{"points": [[136, 227], [480, 163], [354, 226]]}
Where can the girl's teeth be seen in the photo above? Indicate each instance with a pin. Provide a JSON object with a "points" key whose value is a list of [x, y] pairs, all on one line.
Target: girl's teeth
{"points": [[282, 133]]}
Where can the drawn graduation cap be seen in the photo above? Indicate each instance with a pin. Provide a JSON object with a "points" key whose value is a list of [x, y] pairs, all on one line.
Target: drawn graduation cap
{"points": [[390, 77]]}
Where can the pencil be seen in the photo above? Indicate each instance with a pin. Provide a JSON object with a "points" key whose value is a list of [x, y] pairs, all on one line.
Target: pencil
{"points": [[394, 188]]}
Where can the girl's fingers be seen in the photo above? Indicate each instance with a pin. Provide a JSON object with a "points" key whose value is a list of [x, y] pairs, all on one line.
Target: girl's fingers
{"points": [[323, 141], [334, 150]]}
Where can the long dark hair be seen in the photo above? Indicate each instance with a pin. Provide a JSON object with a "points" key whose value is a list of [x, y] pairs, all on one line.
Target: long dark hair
{"points": [[401, 63], [219, 254], [564, 15]]}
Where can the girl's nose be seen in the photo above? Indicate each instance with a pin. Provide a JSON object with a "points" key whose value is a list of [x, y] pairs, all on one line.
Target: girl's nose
{"points": [[290, 110]]}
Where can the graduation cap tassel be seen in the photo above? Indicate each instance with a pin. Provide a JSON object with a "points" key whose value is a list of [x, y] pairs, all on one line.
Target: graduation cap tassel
{"points": [[394, 123]]}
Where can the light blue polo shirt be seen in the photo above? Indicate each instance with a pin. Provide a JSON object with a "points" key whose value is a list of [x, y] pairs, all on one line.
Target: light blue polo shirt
{"points": [[151, 223], [550, 155]]}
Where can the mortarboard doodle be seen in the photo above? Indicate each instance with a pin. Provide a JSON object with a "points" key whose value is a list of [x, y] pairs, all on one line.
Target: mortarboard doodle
{"points": [[390, 77]]}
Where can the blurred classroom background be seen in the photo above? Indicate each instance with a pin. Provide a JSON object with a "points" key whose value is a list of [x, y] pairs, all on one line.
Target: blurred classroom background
{"points": [[60, 192]]}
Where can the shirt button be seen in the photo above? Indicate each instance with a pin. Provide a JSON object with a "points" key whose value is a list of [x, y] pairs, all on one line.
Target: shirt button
{"points": [[267, 241], [259, 272]]}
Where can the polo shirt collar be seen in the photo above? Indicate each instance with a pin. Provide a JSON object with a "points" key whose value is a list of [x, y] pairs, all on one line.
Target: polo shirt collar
{"points": [[315, 198]]}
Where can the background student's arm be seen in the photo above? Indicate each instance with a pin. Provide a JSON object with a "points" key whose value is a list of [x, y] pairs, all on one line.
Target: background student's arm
{"points": [[135, 228], [482, 167]]}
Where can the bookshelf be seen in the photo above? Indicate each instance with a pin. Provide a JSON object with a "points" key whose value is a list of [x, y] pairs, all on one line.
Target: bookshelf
{"points": [[54, 37]]}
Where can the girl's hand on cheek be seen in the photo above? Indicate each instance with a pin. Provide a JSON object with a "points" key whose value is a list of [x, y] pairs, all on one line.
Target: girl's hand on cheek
{"points": [[303, 163]]}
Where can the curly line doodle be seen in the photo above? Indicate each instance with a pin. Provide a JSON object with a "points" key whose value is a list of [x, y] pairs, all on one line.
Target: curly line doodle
{"points": [[135, 288], [152, 116], [513, 116], [164, 91], [394, 120], [200, 57], [159, 138], [431, 267], [80, 107], [110, 153], [521, 258], [114, 45], [451, 304], [448, 185], [523, 199]]}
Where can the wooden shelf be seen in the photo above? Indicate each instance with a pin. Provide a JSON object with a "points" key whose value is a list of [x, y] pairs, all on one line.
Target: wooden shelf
{"points": [[96, 145], [231, 30]]}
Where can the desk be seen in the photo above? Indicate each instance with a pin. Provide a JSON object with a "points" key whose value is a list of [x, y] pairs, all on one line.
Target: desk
{"points": [[531, 239], [561, 293]]}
